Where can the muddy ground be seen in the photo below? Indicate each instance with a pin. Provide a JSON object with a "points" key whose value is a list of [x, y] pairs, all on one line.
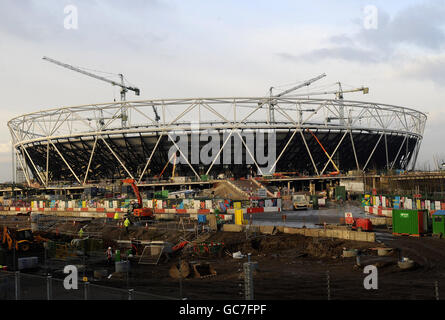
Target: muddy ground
{"points": [[289, 266]]}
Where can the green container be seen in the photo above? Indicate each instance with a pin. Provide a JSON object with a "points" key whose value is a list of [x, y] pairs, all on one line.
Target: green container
{"points": [[117, 256], [314, 200], [340, 192], [438, 222], [409, 222], [204, 177], [161, 194]]}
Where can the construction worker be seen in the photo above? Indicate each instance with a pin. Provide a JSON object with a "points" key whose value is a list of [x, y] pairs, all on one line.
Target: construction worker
{"points": [[109, 254], [81, 233], [131, 207], [126, 224]]}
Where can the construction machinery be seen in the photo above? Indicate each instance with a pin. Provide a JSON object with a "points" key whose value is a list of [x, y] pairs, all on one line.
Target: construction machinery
{"points": [[124, 88], [301, 85], [359, 224], [138, 209], [338, 93], [20, 239]]}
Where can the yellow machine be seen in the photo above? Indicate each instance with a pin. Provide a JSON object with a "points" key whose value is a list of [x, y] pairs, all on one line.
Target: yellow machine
{"points": [[20, 239]]}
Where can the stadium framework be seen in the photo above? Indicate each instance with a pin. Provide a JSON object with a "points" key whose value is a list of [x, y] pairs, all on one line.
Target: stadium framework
{"points": [[83, 144]]}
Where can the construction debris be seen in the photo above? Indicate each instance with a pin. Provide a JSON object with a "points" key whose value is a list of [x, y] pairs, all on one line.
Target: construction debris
{"points": [[238, 255], [192, 269]]}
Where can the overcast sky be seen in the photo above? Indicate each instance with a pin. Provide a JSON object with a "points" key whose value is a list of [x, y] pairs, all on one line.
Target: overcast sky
{"points": [[191, 48]]}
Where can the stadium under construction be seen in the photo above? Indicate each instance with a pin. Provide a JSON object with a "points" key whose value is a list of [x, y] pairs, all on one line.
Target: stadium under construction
{"points": [[112, 141]]}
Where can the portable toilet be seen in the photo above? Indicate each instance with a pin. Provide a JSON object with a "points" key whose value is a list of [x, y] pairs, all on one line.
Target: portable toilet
{"points": [[340, 192], [438, 222], [409, 222], [202, 218], [239, 217]]}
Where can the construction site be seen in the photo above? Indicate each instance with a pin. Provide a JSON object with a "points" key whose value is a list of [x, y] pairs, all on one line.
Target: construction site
{"points": [[287, 196]]}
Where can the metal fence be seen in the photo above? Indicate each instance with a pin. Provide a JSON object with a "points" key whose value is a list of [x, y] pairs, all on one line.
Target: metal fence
{"points": [[330, 287], [20, 286]]}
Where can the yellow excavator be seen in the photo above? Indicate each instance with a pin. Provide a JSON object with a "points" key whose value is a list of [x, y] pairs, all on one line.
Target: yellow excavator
{"points": [[20, 239]]}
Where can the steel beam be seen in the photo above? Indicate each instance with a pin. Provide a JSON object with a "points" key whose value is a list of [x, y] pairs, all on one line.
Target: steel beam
{"points": [[149, 159], [117, 158], [63, 159], [372, 152], [91, 159]]}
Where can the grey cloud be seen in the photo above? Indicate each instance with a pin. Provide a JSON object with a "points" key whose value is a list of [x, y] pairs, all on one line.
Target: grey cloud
{"points": [[342, 39], [346, 53], [421, 26], [118, 22], [430, 69]]}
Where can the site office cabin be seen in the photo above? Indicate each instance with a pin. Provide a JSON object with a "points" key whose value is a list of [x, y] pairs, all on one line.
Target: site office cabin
{"points": [[409, 222]]}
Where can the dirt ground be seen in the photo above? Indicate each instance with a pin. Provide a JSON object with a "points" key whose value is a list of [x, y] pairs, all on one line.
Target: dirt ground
{"points": [[289, 266]]}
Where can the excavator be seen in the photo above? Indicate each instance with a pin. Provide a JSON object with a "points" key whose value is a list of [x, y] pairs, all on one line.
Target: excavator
{"points": [[138, 210], [20, 239]]}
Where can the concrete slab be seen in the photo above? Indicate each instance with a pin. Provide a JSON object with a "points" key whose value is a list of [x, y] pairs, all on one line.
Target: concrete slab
{"points": [[267, 230], [232, 228]]}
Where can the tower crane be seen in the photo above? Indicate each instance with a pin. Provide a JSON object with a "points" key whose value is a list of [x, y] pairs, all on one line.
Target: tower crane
{"points": [[301, 85], [338, 93], [124, 88], [339, 96]]}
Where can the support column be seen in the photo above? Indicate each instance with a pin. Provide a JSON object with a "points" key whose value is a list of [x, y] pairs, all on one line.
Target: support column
{"points": [[311, 187]]}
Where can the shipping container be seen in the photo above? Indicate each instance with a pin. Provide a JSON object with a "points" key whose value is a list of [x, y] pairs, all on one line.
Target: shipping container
{"points": [[438, 222], [161, 194], [409, 222]]}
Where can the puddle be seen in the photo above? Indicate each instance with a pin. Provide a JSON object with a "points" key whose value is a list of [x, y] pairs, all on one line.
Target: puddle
{"points": [[308, 218]]}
